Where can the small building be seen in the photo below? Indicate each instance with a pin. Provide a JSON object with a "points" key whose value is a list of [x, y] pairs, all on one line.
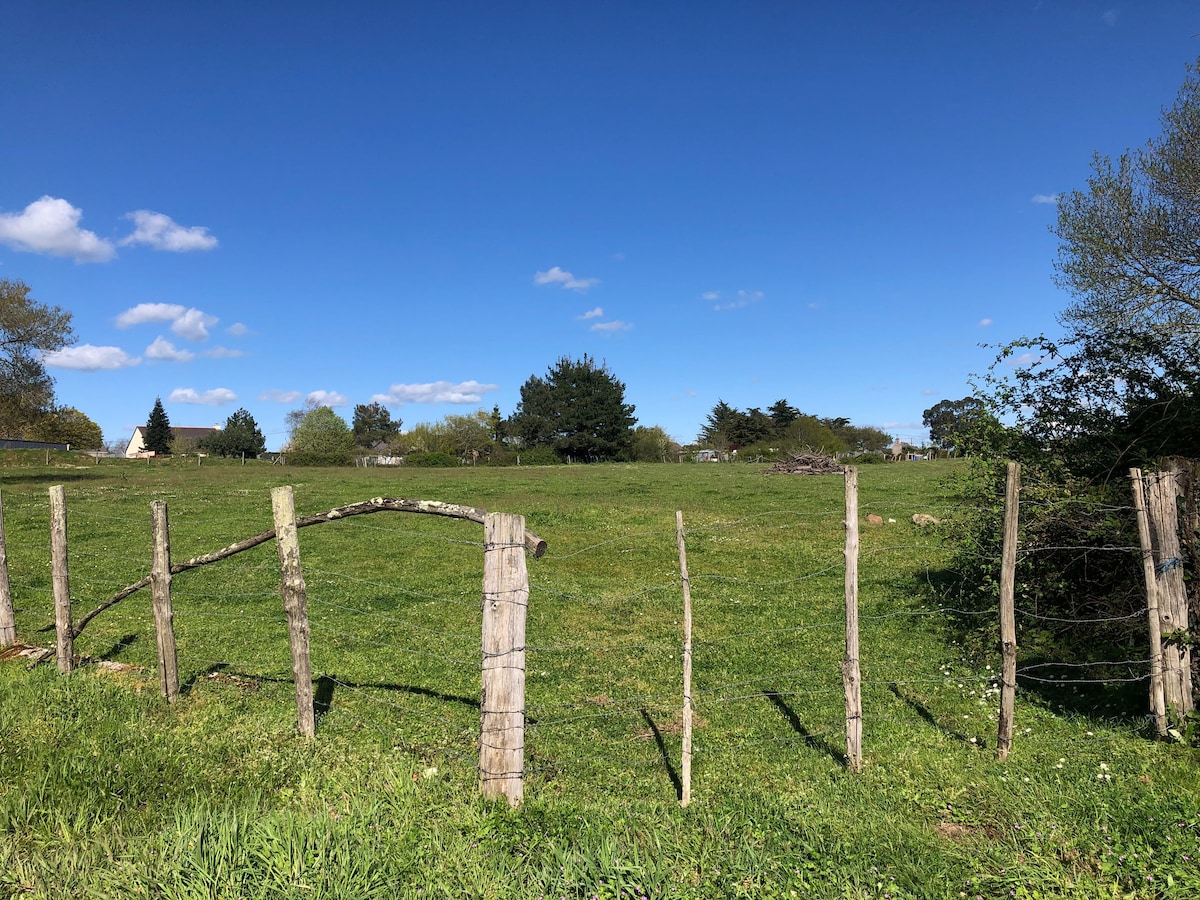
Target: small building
{"points": [[137, 442]]}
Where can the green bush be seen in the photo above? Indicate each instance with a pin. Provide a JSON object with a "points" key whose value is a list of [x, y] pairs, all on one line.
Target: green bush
{"points": [[435, 460], [538, 456], [316, 458]]}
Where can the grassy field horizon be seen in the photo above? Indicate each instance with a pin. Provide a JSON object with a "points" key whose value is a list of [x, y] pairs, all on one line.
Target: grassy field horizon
{"points": [[107, 791]]}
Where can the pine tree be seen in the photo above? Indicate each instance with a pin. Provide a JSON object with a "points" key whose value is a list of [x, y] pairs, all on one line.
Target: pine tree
{"points": [[158, 434]]}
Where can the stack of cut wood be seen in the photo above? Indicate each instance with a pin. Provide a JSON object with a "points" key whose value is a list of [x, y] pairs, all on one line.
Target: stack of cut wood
{"points": [[806, 464]]}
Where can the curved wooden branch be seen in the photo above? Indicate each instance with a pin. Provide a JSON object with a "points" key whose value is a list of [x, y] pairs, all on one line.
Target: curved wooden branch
{"points": [[533, 543]]}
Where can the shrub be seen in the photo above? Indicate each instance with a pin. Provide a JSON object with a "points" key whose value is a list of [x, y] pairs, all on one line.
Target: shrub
{"points": [[435, 460]]}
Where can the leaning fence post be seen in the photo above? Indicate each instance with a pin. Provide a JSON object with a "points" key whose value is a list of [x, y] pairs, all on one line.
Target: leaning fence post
{"points": [[851, 676], [1008, 624], [1158, 703], [295, 604], [502, 703], [61, 578], [160, 589], [685, 790], [8, 619]]}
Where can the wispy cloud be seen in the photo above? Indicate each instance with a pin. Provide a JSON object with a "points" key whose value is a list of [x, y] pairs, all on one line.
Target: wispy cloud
{"points": [[87, 358], [162, 233], [51, 225], [985, 323], [276, 396], [215, 397], [164, 349], [1110, 16], [744, 298], [611, 327], [1044, 198], [435, 392], [711, 296], [565, 279], [189, 323], [593, 313], [222, 353], [327, 398], [928, 392], [237, 329]]}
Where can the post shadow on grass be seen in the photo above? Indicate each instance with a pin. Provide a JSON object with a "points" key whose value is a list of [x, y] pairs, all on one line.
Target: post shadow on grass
{"points": [[325, 684], [813, 740], [923, 711], [322, 697], [125, 640], [1091, 691], [663, 754]]}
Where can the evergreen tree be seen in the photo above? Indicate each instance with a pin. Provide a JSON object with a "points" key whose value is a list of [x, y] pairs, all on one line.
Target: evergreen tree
{"points": [[241, 435], [579, 410], [373, 424], [158, 434]]}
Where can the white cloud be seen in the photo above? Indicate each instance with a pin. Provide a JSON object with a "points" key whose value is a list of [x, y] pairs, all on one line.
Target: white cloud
{"points": [[928, 392], [435, 392], [51, 225], [1110, 17], [711, 295], [1044, 198], [161, 233], [237, 329], [1024, 359], [277, 396], [222, 353], [193, 325], [190, 323], [611, 327], [556, 275], [86, 358], [164, 349], [593, 313], [984, 323], [215, 397], [150, 312], [327, 398], [744, 298]]}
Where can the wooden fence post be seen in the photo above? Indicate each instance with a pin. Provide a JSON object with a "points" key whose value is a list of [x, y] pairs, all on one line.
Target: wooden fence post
{"points": [[61, 578], [1008, 623], [851, 676], [1172, 593], [685, 789], [8, 619], [1158, 703], [502, 703], [295, 604], [160, 588]]}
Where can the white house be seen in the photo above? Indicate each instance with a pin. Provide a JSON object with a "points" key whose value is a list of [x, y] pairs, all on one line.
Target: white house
{"points": [[137, 443]]}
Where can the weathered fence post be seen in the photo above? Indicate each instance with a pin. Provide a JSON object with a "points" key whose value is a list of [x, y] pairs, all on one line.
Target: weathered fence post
{"points": [[160, 589], [851, 676], [295, 604], [1008, 623], [61, 578], [685, 789], [8, 618], [502, 703], [1171, 591], [1158, 702]]}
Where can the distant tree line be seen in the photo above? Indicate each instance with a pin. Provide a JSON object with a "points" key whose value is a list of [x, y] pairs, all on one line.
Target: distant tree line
{"points": [[785, 427]]}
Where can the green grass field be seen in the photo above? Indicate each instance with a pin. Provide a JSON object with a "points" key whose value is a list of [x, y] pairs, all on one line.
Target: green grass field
{"points": [[107, 791]]}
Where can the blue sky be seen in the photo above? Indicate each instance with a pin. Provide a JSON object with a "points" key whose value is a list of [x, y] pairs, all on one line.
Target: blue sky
{"points": [[249, 205]]}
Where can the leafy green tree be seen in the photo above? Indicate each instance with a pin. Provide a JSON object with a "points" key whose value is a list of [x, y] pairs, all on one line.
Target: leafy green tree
{"points": [[158, 435], [783, 414], [241, 435], [28, 330], [578, 409], [373, 425], [725, 428], [67, 425], [321, 438], [861, 438], [810, 434], [653, 444], [965, 425], [1129, 254]]}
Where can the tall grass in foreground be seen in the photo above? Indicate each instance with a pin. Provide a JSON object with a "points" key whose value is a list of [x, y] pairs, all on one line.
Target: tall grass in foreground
{"points": [[105, 791]]}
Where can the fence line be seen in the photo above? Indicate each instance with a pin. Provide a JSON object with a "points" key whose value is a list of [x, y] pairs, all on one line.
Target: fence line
{"points": [[656, 716]]}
